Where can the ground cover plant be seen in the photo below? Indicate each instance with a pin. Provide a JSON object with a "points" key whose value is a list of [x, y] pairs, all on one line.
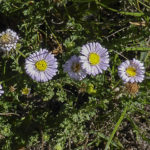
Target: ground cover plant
{"points": [[74, 75]]}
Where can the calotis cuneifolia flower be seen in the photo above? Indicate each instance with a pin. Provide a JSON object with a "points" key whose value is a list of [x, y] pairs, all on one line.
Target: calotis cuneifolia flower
{"points": [[41, 66], [8, 40], [131, 71], [1, 91], [73, 68], [94, 58], [26, 91]]}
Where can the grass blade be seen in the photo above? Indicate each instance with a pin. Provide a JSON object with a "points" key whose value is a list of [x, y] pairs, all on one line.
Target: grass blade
{"points": [[116, 127], [135, 14], [137, 49]]}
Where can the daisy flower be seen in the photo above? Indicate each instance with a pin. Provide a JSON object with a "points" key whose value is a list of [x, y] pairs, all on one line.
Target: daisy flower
{"points": [[26, 91], [41, 66], [8, 40], [94, 58], [73, 67], [1, 91], [131, 71]]}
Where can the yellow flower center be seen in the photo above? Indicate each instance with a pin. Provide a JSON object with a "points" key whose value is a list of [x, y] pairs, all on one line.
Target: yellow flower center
{"points": [[26, 91], [94, 58], [5, 39], [76, 67], [131, 71], [41, 65]]}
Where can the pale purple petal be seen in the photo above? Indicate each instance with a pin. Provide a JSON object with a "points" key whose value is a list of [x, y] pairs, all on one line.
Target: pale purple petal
{"points": [[137, 65], [34, 73], [94, 47], [78, 75]]}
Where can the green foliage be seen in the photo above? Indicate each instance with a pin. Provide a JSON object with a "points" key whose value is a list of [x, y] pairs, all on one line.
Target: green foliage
{"points": [[62, 113]]}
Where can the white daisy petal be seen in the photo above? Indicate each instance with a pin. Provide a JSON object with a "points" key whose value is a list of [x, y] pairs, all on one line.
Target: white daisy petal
{"points": [[131, 71], [74, 69], [94, 58], [41, 66], [1, 91], [8, 40]]}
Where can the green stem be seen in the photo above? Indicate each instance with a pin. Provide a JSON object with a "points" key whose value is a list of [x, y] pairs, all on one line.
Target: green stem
{"points": [[116, 127], [117, 84], [20, 53], [52, 32], [67, 12], [5, 67]]}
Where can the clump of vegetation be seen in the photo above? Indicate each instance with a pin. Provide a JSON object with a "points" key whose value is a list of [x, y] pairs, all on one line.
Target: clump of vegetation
{"points": [[58, 110]]}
